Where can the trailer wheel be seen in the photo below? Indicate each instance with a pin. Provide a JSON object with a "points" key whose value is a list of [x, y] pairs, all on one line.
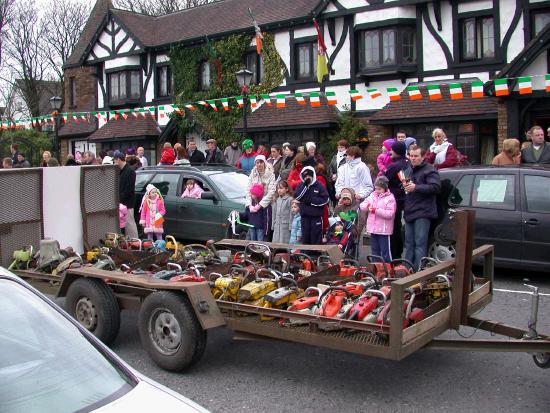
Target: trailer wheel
{"points": [[170, 332], [92, 303], [542, 360]]}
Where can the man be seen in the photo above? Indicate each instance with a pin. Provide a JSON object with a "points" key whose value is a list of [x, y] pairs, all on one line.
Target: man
{"points": [[420, 204], [195, 156], [213, 153], [89, 158], [539, 150], [400, 136], [7, 163], [276, 159], [232, 154], [126, 192], [21, 161], [141, 156], [14, 149], [398, 163]]}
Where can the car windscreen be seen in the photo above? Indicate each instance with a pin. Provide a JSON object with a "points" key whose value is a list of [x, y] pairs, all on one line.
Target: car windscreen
{"points": [[232, 184], [45, 361]]}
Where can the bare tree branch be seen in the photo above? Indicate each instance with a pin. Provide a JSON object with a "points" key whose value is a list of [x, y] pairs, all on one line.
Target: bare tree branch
{"points": [[158, 7], [6, 14]]}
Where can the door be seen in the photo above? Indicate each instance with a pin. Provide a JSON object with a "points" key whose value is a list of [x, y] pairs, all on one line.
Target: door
{"points": [[168, 185], [536, 218]]}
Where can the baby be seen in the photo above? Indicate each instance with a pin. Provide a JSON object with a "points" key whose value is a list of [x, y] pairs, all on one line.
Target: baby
{"points": [[192, 190]]}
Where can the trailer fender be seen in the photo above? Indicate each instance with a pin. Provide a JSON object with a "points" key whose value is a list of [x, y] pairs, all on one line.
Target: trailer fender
{"points": [[205, 306], [66, 281]]}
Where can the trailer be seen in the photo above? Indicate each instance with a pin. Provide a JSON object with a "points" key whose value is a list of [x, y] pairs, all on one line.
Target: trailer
{"points": [[174, 317]]}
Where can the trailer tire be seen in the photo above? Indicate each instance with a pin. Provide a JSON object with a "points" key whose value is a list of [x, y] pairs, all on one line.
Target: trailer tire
{"points": [[92, 303], [170, 331], [542, 360]]}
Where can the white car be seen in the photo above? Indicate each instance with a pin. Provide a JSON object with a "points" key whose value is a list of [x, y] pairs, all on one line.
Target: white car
{"points": [[48, 362]]}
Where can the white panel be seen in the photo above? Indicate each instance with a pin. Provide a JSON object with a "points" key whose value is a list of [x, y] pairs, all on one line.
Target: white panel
{"points": [[350, 4], [330, 7], [385, 14], [99, 52], [99, 94], [433, 56], [126, 46], [119, 36], [538, 69], [282, 44], [478, 5], [122, 61], [161, 58], [58, 216], [341, 64], [304, 32], [433, 78], [447, 29], [517, 41], [367, 103], [483, 76], [507, 10], [536, 1], [150, 92]]}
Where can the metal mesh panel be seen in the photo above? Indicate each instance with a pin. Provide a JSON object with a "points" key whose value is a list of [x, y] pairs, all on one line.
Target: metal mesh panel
{"points": [[99, 224], [21, 198], [20, 235]]}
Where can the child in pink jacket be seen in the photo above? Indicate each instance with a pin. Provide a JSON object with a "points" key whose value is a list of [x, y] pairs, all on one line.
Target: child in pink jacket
{"points": [[384, 159], [152, 213], [381, 207], [192, 190], [122, 213]]}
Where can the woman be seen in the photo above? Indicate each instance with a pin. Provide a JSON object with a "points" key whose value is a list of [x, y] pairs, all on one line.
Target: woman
{"points": [[510, 155], [338, 159], [294, 176], [246, 161], [354, 174], [289, 152], [46, 156], [262, 173], [442, 153], [311, 150], [182, 158]]}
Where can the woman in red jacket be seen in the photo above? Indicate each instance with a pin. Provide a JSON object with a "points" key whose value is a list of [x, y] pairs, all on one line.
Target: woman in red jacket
{"points": [[442, 153], [294, 175]]}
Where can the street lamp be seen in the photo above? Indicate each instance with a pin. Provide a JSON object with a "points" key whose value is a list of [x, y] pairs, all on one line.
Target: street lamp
{"points": [[55, 103], [244, 76]]}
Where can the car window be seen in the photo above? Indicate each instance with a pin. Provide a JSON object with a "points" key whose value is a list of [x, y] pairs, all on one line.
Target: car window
{"points": [[537, 193], [233, 185], [166, 183], [46, 363], [461, 193], [142, 179], [494, 192], [198, 181]]}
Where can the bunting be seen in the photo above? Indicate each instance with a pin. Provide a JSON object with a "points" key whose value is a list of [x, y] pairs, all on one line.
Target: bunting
{"points": [[525, 85], [281, 101], [300, 98], [501, 87], [331, 98], [355, 95], [393, 93], [414, 93], [455, 90], [314, 99], [477, 89], [434, 92]]}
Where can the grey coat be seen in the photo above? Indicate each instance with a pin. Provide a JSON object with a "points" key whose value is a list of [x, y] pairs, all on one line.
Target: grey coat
{"points": [[528, 154], [282, 219]]}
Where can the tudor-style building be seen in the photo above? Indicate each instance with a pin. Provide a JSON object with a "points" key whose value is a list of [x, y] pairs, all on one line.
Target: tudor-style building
{"points": [[122, 61]]}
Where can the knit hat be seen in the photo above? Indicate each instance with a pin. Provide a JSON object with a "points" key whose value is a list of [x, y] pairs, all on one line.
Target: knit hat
{"points": [[381, 182], [260, 158], [346, 193], [247, 143], [409, 141], [257, 190], [309, 145], [399, 148], [119, 155], [388, 143]]}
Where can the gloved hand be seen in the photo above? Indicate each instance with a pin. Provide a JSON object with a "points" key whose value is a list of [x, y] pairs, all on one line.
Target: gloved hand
{"points": [[254, 208]]}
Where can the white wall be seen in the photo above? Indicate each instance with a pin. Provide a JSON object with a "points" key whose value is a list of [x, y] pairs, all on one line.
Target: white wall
{"points": [[122, 61], [538, 67], [341, 64], [385, 14], [477, 5], [150, 92]]}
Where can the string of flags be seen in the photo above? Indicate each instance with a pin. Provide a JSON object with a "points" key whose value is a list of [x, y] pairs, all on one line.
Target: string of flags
{"points": [[456, 91]]}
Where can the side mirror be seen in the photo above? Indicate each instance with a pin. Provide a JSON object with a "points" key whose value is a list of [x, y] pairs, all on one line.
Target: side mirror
{"points": [[209, 195]]}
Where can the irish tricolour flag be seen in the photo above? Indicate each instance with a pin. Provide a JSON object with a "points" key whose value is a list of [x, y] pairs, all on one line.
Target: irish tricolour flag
{"points": [[547, 82], [434, 92], [331, 98], [240, 101], [525, 85], [253, 102], [393, 93], [314, 99], [355, 95], [299, 98], [225, 103], [414, 93], [501, 87], [267, 99], [374, 93], [477, 89], [212, 104], [455, 90], [280, 101]]}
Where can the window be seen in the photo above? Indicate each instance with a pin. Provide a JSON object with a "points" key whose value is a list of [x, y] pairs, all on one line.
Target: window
{"points": [[204, 76], [478, 38], [494, 192], [460, 195], [124, 85], [142, 179], [537, 193], [255, 63], [167, 184], [72, 100], [387, 47], [164, 81], [539, 21], [306, 60]]}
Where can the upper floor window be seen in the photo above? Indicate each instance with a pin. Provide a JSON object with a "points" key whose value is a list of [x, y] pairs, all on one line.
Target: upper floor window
{"points": [[306, 60], [539, 20], [255, 63], [164, 81], [124, 85], [72, 92], [387, 47], [478, 38], [204, 76]]}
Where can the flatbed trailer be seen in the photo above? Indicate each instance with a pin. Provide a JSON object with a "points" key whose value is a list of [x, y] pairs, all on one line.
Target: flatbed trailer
{"points": [[174, 317]]}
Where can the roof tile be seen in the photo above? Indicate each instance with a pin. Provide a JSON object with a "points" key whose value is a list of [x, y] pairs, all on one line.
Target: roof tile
{"points": [[133, 126]]}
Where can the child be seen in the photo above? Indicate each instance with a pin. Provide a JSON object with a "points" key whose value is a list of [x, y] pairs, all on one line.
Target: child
{"points": [[339, 234], [192, 190], [256, 216], [281, 214], [384, 159], [296, 224], [381, 207], [122, 213], [152, 211]]}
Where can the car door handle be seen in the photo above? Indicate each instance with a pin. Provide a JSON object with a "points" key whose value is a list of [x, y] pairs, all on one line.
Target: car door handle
{"points": [[183, 206], [531, 221]]}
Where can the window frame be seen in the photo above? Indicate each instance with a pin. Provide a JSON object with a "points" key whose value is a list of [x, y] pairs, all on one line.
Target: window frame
{"points": [[125, 74], [311, 43], [72, 92], [169, 81], [474, 203], [258, 72], [202, 86], [524, 179], [478, 38], [536, 10]]}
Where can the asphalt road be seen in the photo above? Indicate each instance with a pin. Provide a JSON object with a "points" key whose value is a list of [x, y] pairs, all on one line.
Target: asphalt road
{"points": [[269, 376]]}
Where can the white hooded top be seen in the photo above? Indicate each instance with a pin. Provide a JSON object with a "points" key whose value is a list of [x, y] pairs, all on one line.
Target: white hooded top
{"points": [[354, 175], [267, 179]]}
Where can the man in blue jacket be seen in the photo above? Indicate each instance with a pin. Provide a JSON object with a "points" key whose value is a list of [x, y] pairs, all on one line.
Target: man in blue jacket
{"points": [[420, 205], [312, 197]]}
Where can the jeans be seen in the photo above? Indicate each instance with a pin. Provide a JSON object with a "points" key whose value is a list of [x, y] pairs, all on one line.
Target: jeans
{"points": [[255, 234], [131, 227], [416, 240], [380, 245], [397, 237]]}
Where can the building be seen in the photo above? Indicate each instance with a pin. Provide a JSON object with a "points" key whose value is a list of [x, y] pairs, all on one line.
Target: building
{"points": [[122, 61]]}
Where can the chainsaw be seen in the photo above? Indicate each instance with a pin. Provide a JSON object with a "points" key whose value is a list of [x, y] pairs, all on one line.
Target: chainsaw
{"points": [[378, 267], [412, 315], [226, 287], [111, 240], [332, 300], [254, 292], [308, 304], [282, 297], [348, 267], [93, 254], [401, 267], [22, 258], [366, 304]]}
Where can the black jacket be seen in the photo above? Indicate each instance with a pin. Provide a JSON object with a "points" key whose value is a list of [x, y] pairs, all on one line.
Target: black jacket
{"points": [[528, 155], [126, 186], [216, 157], [197, 157], [422, 202], [394, 184], [333, 166], [313, 199]]}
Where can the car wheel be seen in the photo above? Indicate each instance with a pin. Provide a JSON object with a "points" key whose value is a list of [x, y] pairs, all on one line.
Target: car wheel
{"points": [[542, 360], [440, 252], [170, 332], [443, 234], [92, 303]]}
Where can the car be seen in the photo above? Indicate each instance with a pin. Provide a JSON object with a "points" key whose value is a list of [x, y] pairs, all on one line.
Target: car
{"points": [[225, 189], [512, 205], [49, 362]]}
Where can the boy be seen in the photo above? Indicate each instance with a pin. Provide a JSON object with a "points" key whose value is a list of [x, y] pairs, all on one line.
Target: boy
{"points": [[312, 197]]}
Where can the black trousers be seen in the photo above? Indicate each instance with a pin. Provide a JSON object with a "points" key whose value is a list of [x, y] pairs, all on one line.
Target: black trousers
{"points": [[396, 239], [312, 230]]}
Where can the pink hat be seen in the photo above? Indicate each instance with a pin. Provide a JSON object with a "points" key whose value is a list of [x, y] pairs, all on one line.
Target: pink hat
{"points": [[388, 143], [257, 190]]}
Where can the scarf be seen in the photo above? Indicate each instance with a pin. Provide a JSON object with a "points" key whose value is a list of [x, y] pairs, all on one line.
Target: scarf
{"points": [[440, 151]]}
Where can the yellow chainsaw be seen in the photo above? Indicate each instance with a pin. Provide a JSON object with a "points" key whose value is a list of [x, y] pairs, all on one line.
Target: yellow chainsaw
{"points": [[254, 292], [226, 287], [282, 297]]}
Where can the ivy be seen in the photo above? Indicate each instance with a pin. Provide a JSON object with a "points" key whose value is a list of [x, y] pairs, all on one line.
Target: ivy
{"points": [[349, 128], [231, 51]]}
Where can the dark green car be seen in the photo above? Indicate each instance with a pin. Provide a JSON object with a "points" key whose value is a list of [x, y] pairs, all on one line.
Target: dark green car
{"points": [[196, 219]]}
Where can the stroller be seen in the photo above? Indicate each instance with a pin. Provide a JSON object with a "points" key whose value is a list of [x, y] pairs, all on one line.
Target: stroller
{"points": [[343, 232]]}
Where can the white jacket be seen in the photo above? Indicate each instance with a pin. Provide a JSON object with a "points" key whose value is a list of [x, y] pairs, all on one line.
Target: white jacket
{"points": [[267, 179], [354, 175]]}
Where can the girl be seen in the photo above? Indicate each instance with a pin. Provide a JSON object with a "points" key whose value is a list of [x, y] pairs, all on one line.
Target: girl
{"points": [[381, 207], [296, 224], [192, 190], [255, 215], [281, 214], [122, 213], [384, 159], [152, 212]]}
